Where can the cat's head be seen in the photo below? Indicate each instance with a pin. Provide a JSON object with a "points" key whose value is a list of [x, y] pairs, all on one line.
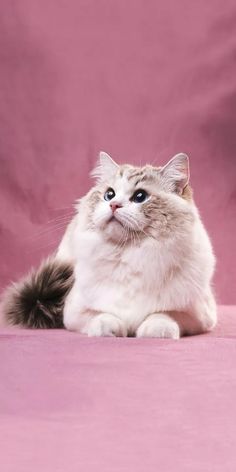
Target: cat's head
{"points": [[147, 201]]}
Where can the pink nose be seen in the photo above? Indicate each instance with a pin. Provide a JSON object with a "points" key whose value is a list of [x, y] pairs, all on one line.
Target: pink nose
{"points": [[114, 206]]}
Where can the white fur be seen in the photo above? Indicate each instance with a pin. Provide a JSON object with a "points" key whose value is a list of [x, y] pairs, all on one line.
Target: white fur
{"points": [[157, 288]]}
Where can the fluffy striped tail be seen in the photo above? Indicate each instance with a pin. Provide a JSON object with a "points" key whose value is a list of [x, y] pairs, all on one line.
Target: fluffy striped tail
{"points": [[37, 300]]}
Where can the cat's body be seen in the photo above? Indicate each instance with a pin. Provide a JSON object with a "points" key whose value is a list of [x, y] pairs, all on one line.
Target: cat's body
{"points": [[130, 280], [142, 259]]}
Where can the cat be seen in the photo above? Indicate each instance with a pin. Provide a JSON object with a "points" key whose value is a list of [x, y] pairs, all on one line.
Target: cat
{"points": [[135, 260]]}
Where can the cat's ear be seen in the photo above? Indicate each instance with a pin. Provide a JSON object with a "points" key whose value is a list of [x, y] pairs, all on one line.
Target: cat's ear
{"points": [[175, 174], [106, 167]]}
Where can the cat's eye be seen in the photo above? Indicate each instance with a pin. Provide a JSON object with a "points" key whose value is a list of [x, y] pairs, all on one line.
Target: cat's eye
{"points": [[109, 194], [139, 196]]}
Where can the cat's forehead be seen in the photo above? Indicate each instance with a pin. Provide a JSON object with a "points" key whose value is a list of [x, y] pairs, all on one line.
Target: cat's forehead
{"points": [[130, 177]]}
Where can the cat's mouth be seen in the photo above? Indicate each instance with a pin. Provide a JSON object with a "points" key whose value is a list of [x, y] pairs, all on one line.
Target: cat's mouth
{"points": [[113, 219]]}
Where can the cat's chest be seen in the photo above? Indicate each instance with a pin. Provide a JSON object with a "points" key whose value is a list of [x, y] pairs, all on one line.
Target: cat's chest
{"points": [[123, 282], [106, 263], [114, 269]]}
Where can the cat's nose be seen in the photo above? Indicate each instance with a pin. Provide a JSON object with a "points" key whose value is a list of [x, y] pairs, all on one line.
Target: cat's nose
{"points": [[114, 206]]}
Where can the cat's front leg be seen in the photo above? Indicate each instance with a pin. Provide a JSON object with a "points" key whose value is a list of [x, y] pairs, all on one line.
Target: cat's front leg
{"points": [[158, 325], [74, 318], [88, 321], [105, 324]]}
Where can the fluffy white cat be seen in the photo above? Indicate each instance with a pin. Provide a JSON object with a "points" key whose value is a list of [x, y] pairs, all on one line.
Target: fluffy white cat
{"points": [[143, 262]]}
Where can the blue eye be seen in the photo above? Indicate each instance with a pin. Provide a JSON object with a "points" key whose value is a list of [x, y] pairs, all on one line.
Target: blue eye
{"points": [[109, 194], [139, 196]]}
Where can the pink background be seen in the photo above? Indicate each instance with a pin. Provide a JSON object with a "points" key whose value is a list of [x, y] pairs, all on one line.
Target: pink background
{"points": [[142, 80]]}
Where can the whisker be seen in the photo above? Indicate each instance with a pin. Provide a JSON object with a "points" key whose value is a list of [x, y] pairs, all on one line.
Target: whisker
{"points": [[132, 220], [47, 245], [47, 231], [63, 208], [61, 218], [122, 240]]}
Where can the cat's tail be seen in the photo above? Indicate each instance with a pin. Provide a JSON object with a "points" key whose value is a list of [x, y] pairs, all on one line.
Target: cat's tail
{"points": [[37, 300]]}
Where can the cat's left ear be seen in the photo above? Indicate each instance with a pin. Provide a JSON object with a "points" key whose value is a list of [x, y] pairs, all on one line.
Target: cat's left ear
{"points": [[106, 167], [175, 174]]}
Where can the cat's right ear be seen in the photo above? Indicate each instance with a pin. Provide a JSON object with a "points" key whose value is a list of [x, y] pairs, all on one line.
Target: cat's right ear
{"points": [[105, 169], [175, 174]]}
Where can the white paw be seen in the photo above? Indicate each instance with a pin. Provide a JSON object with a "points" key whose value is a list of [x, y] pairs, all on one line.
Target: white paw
{"points": [[105, 325], [158, 326]]}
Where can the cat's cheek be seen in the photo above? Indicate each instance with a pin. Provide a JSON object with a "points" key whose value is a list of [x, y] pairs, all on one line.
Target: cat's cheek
{"points": [[101, 216]]}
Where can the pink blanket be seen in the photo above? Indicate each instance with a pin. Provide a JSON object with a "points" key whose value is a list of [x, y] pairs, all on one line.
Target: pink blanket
{"points": [[70, 403]]}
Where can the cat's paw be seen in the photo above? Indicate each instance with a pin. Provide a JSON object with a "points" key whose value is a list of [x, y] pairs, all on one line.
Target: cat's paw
{"points": [[106, 325], [158, 326]]}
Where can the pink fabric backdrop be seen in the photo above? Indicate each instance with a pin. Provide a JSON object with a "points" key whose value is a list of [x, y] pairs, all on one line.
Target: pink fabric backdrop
{"points": [[139, 79]]}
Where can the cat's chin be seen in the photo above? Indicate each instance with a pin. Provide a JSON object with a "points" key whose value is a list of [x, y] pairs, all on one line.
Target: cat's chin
{"points": [[114, 230], [113, 220]]}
